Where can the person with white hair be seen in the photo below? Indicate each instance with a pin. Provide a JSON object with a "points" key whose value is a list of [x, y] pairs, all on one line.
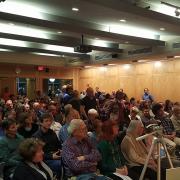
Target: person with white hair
{"points": [[79, 155], [135, 152], [92, 118]]}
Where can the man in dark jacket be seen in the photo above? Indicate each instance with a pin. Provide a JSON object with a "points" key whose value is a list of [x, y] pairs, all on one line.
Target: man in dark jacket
{"points": [[52, 144]]}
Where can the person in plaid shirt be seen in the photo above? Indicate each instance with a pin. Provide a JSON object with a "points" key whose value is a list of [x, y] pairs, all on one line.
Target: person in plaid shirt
{"points": [[168, 127]]}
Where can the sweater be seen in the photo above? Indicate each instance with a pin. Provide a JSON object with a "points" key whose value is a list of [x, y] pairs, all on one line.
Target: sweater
{"points": [[112, 157], [134, 151], [9, 150], [51, 141], [28, 171]]}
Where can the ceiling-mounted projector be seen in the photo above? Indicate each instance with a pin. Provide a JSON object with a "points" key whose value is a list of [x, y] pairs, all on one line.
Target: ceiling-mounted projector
{"points": [[83, 48]]}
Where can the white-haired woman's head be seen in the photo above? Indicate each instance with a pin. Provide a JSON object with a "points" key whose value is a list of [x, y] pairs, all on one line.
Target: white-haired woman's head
{"points": [[135, 127]]}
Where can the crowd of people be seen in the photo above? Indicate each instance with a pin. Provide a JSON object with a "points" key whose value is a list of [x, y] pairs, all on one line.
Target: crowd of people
{"points": [[87, 135]]}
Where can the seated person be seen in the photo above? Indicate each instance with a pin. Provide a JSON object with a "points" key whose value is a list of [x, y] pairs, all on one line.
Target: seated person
{"points": [[92, 116], [79, 156], [26, 126], [8, 147], [55, 126], [146, 118], [168, 127], [96, 134], [109, 146], [70, 114], [52, 145], [32, 167], [135, 152], [134, 114], [175, 118]]}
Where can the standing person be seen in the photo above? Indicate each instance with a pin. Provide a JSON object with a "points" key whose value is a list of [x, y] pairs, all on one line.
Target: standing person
{"points": [[89, 101], [147, 95], [8, 147], [97, 93], [115, 109], [32, 167], [6, 94]]}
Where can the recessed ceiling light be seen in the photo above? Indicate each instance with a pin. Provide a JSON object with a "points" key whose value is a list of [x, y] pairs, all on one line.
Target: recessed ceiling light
{"points": [[122, 20], [176, 56], [87, 66], [59, 32], [157, 64], [162, 29], [75, 9], [97, 38], [111, 64], [126, 66], [142, 60]]}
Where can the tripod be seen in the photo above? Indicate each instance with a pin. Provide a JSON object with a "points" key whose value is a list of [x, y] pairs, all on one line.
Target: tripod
{"points": [[158, 141]]}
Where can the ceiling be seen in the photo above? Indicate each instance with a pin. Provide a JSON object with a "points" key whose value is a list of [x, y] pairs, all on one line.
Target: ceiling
{"points": [[116, 30]]}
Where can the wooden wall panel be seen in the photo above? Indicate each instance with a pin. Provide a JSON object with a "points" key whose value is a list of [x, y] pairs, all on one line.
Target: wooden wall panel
{"points": [[163, 81]]}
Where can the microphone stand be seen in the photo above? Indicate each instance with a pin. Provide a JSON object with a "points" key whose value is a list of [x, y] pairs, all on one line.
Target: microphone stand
{"points": [[157, 141]]}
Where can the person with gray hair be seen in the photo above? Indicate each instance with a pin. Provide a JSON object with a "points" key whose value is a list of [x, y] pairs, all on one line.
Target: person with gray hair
{"points": [[92, 118], [79, 155], [70, 113], [135, 152]]}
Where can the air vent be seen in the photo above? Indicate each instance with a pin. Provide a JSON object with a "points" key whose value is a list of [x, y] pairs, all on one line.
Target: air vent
{"points": [[176, 45], [106, 56], [140, 51]]}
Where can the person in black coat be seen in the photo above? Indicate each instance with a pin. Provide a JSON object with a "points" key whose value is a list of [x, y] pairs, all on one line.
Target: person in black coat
{"points": [[32, 166], [52, 144]]}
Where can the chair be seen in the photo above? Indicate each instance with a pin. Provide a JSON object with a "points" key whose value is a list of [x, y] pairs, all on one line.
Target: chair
{"points": [[1, 170]]}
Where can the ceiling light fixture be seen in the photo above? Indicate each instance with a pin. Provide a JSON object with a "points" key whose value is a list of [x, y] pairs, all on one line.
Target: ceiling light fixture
{"points": [[127, 66], [75, 9], [5, 50], [176, 56], [162, 29], [52, 80], [87, 66], [142, 61], [122, 20], [157, 64], [111, 64], [177, 8], [103, 69], [59, 32]]}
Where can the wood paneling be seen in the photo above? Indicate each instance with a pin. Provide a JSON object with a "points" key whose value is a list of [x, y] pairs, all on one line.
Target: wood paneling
{"points": [[163, 81]]}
